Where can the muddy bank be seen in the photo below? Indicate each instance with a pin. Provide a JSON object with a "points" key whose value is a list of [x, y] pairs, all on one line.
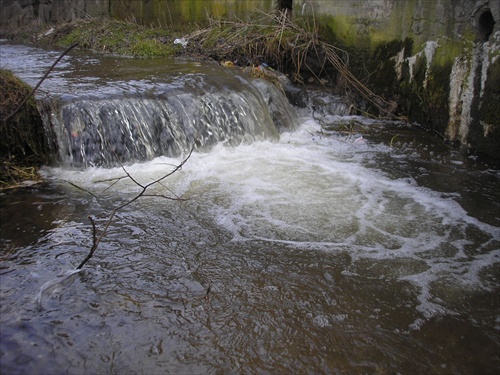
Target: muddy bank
{"points": [[23, 146]]}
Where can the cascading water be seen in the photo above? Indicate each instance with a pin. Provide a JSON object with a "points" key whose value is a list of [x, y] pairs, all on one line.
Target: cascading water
{"points": [[128, 124], [324, 252]]}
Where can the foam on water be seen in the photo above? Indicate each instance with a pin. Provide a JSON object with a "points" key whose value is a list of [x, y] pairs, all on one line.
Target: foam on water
{"points": [[313, 193]]}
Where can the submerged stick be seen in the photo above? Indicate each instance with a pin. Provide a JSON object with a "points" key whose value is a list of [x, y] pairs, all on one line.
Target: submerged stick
{"points": [[50, 285]]}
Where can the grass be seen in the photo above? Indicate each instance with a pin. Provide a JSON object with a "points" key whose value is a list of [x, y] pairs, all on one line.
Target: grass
{"points": [[292, 46], [118, 37]]}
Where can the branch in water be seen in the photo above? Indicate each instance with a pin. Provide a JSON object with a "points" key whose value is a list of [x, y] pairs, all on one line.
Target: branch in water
{"points": [[41, 81], [142, 193], [50, 285]]}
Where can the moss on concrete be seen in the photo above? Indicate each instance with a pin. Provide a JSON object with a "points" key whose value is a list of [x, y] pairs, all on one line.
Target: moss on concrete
{"points": [[436, 94], [178, 14], [421, 86], [448, 49], [344, 31], [486, 132], [382, 61]]}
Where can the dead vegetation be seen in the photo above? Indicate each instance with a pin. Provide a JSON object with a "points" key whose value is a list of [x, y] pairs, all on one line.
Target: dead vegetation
{"points": [[289, 45], [22, 146], [291, 48]]}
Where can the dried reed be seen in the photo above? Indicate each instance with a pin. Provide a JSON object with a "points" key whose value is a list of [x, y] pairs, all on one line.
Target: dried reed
{"points": [[293, 46]]}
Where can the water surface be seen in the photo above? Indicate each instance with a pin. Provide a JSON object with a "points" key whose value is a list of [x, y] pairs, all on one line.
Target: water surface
{"points": [[321, 253]]}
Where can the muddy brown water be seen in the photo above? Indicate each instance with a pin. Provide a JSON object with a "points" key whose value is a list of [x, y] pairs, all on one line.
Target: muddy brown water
{"points": [[323, 253]]}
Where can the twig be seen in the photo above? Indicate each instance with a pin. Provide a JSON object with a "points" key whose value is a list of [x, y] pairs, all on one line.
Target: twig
{"points": [[41, 81], [207, 295], [93, 228], [79, 187], [142, 193], [115, 179]]}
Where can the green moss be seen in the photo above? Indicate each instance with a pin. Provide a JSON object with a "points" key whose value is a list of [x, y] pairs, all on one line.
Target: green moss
{"points": [[151, 48], [419, 70], [438, 87], [436, 97], [344, 30], [177, 14], [489, 108], [124, 38], [486, 132], [426, 104], [448, 50], [382, 62]]}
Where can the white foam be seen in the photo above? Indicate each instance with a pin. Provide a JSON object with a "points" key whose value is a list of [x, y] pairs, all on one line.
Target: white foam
{"points": [[301, 185], [312, 192]]}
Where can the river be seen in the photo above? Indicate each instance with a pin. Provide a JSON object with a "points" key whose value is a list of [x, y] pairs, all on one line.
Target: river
{"points": [[288, 250]]}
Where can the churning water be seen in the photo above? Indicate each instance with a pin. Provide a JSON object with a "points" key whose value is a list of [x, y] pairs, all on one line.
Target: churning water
{"points": [[307, 251]]}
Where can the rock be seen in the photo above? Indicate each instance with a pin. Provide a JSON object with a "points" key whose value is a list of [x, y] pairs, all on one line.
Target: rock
{"points": [[297, 96]]}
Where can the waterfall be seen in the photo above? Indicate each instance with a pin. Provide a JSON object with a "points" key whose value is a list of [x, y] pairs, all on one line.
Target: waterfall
{"points": [[104, 129]]}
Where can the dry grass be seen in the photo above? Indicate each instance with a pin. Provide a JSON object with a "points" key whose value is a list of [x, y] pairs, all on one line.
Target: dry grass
{"points": [[292, 46], [22, 146]]}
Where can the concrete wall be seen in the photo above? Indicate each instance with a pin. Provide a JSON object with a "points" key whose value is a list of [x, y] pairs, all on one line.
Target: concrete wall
{"points": [[173, 12], [439, 59], [23, 12], [382, 20]]}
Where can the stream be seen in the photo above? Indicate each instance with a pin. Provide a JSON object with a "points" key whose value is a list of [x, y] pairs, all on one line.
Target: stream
{"points": [[282, 246]]}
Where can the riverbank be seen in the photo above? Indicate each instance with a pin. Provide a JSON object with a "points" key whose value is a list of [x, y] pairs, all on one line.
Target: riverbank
{"points": [[22, 147], [22, 142], [294, 48]]}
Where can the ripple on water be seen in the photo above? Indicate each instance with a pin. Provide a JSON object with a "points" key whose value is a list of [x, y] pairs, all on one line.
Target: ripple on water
{"points": [[320, 256]]}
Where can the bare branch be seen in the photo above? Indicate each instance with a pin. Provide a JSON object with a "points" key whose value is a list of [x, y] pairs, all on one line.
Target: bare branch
{"points": [[165, 196], [116, 179], [79, 187], [129, 176], [142, 193], [41, 81], [179, 167]]}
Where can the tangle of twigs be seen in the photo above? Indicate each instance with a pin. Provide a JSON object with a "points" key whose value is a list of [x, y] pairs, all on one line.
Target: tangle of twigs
{"points": [[289, 44], [97, 238]]}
